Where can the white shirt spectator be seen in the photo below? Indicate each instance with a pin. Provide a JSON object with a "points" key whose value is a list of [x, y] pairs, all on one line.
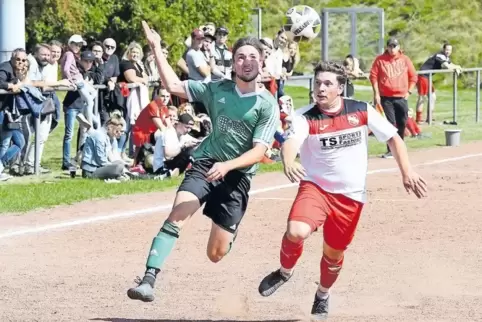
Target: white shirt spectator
{"points": [[168, 138]]}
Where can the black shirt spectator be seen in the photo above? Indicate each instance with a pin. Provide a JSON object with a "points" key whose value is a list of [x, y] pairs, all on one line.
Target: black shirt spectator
{"points": [[125, 65]]}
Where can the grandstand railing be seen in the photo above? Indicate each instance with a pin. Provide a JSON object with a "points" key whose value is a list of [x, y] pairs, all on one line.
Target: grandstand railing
{"points": [[309, 79], [430, 73]]}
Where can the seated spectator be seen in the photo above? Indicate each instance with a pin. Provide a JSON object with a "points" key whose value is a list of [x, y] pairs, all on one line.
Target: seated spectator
{"points": [[154, 117], [173, 114], [97, 149], [172, 153]]}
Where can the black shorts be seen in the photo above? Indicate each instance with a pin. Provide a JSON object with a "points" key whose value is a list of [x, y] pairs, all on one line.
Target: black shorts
{"points": [[226, 200]]}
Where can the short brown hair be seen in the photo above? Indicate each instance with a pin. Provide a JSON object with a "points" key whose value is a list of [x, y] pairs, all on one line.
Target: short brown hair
{"points": [[332, 67], [248, 41]]}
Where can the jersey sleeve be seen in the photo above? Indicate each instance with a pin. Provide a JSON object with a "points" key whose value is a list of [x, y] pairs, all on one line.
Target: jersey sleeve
{"points": [[381, 128], [298, 129], [267, 124], [198, 91]]}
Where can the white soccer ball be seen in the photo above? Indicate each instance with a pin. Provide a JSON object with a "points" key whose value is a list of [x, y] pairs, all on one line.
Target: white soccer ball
{"points": [[302, 23]]}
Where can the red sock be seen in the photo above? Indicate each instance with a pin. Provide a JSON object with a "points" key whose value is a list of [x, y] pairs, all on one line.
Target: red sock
{"points": [[290, 252], [419, 117], [329, 270], [411, 126]]}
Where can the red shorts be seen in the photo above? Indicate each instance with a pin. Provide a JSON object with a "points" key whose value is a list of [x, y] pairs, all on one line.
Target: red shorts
{"points": [[422, 86], [337, 213]]}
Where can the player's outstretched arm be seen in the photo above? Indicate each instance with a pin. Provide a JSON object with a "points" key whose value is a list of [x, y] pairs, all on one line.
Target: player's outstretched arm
{"points": [[168, 77], [411, 180]]}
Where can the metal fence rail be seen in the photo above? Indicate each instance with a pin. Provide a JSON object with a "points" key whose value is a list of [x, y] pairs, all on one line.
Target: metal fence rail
{"points": [[308, 78], [430, 73]]}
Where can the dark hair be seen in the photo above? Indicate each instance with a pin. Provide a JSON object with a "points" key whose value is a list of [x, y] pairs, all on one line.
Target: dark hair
{"points": [[248, 41], [332, 67], [96, 43], [446, 44]]}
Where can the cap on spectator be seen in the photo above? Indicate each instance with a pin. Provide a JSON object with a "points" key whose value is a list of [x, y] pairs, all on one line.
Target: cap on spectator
{"points": [[186, 119], [393, 42], [222, 31], [77, 39], [197, 34], [87, 55]]}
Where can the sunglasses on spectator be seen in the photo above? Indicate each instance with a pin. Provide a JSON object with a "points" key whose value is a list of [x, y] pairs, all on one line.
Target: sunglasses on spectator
{"points": [[109, 47], [20, 60]]}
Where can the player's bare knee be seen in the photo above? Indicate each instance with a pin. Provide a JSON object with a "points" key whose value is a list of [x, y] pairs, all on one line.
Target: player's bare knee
{"points": [[216, 254], [298, 231]]}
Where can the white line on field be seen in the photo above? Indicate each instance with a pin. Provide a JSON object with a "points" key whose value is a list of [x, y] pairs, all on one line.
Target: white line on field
{"points": [[146, 211]]}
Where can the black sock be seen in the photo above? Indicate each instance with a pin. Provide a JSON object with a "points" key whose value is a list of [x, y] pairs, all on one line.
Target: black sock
{"points": [[150, 276]]}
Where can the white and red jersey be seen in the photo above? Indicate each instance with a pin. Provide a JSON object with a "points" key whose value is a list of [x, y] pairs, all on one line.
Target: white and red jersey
{"points": [[334, 151]]}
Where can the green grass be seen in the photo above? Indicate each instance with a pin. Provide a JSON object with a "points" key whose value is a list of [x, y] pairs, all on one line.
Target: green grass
{"points": [[28, 193]]}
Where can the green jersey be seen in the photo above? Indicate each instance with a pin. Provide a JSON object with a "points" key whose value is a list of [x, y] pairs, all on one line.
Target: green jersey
{"points": [[238, 120]]}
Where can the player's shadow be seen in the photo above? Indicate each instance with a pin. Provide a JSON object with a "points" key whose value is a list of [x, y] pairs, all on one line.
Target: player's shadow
{"points": [[184, 320]]}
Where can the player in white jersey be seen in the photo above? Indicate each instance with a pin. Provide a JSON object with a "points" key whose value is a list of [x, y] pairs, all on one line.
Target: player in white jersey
{"points": [[332, 137]]}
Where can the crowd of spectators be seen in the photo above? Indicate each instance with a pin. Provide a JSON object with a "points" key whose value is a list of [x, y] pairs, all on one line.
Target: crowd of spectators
{"points": [[130, 128]]}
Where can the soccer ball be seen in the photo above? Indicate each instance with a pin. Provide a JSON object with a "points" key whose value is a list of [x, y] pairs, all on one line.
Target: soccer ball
{"points": [[302, 23]]}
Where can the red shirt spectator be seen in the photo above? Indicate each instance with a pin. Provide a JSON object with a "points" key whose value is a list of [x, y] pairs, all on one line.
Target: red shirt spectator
{"points": [[155, 116]]}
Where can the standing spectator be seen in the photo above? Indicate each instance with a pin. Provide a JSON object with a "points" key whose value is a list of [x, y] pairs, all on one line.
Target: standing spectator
{"points": [[10, 129], [73, 105], [440, 60], [111, 98], [71, 71], [353, 71], [393, 78], [196, 62], [132, 71], [291, 58], [52, 76], [275, 61], [41, 74], [223, 57]]}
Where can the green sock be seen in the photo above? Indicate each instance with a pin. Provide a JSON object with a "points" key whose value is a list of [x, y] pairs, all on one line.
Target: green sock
{"points": [[162, 245]]}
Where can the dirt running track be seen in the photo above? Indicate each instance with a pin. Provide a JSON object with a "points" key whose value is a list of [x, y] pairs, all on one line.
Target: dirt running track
{"points": [[411, 260]]}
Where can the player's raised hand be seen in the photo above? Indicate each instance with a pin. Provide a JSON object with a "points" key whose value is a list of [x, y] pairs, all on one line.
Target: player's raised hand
{"points": [[294, 171], [152, 36], [413, 182]]}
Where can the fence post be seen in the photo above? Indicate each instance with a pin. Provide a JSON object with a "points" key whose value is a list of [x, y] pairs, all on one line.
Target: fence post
{"points": [[477, 96], [310, 81], [429, 99], [36, 166], [455, 98]]}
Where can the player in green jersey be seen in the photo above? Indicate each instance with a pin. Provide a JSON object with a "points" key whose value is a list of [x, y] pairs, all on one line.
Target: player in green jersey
{"points": [[245, 118]]}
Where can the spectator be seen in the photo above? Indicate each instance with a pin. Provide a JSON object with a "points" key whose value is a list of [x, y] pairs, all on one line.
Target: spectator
{"points": [[223, 57], [153, 118], [274, 62], [393, 78], [111, 63], [173, 114], [291, 58], [172, 152], [196, 62], [110, 99], [268, 81], [52, 76], [98, 51], [353, 71], [71, 71], [41, 74], [97, 148], [73, 105], [151, 68], [11, 74], [440, 60], [132, 71]]}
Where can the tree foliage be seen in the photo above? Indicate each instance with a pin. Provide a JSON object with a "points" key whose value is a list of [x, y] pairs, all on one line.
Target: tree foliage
{"points": [[121, 19]]}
